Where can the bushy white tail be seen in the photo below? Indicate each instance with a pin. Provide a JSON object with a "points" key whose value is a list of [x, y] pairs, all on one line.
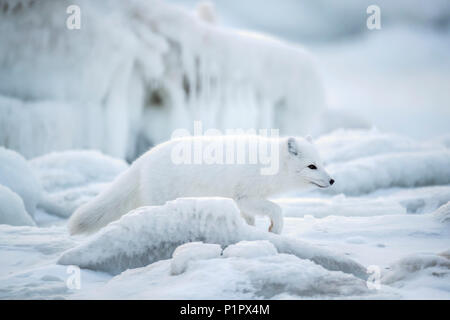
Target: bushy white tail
{"points": [[116, 200]]}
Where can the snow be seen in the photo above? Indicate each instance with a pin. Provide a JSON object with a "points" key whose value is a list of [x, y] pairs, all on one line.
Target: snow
{"points": [[192, 251], [409, 169], [135, 72], [71, 178], [148, 234], [363, 161], [250, 249], [16, 174], [262, 277], [12, 209]]}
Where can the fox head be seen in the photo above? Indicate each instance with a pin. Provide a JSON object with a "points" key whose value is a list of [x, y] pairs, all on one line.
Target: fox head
{"points": [[304, 165]]}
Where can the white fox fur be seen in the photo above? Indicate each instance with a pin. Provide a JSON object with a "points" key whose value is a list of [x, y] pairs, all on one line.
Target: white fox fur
{"points": [[154, 179]]}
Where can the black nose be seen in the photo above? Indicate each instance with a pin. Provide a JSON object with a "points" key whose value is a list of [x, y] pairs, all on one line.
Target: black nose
{"points": [[331, 181]]}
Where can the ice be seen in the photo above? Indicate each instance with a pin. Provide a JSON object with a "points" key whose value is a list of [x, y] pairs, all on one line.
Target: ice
{"points": [[152, 68], [16, 174], [71, 178], [12, 209], [235, 277], [192, 251], [149, 234]]}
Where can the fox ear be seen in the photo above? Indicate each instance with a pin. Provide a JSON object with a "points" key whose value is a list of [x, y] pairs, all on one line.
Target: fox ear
{"points": [[309, 138], [292, 146]]}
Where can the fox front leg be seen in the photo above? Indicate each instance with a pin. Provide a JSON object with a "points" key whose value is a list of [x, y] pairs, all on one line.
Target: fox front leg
{"points": [[252, 207]]}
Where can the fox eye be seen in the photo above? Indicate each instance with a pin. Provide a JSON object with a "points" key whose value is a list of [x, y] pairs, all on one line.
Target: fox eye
{"points": [[312, 167]]}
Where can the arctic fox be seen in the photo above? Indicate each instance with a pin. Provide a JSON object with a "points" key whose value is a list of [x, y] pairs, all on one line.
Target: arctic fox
{"points": [[155, 178]]}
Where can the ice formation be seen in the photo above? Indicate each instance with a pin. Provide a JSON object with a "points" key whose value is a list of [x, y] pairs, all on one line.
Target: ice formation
{"points": [[136, 71], [149, 234]]}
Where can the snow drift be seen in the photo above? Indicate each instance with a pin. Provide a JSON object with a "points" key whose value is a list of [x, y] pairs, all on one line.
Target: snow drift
{"points": [[136, 71], [72, 178], [12, 209], [16, 174], [150, 234]]}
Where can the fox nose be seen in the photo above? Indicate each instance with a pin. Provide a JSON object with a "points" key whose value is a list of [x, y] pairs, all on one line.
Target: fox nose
{"points": [[331, 182]]}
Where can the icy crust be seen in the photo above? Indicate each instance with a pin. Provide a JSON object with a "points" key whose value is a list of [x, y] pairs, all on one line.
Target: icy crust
{"points": [[72, 178], [407, 169], [150, 234], [245, 270], [16, 174], [12, 210]]}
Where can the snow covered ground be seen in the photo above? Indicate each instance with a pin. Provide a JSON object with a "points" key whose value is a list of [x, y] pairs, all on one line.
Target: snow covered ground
{"points": [[395, 234], [381, 231]]}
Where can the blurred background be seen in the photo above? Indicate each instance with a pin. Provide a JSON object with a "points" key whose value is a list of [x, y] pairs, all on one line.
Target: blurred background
{"points": [[136, 71]]}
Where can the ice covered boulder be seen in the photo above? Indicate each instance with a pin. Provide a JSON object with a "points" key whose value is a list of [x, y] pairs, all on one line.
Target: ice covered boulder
{"points": [[16, 174], [149, 234], [71, 178], [192, 251], [402, 169], [12, 209]]}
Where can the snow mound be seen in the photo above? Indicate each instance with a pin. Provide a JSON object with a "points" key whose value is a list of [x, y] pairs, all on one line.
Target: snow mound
{"points": [[149, 234], [345, 145], [419, 265], [72, 178], [406, 169], [16, 174], [259, 277], [192, 251], [443, 213], [12, 209], [250, 249]]}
